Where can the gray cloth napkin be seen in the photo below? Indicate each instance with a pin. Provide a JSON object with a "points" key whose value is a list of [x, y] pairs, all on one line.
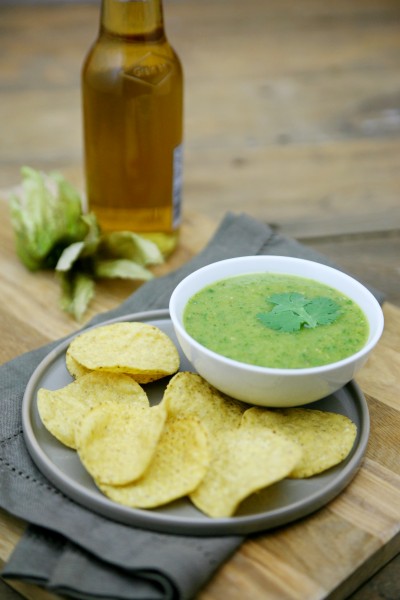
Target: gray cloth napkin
{"points": [[71, 550]]}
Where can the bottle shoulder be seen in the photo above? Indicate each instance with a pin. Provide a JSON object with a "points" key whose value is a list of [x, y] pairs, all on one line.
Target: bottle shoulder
{"points": [[108, 64], [122, 50]]}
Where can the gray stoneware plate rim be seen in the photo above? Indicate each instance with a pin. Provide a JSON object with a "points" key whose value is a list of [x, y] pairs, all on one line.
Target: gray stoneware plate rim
{"points": [[280, 504]]}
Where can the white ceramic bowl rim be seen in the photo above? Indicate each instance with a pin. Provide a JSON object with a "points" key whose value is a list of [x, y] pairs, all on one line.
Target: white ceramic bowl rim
{"points": [[287, 372]]}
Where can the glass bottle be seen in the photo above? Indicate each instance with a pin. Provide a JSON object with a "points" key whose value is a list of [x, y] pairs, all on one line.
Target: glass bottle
{"points": [[132, 94]]}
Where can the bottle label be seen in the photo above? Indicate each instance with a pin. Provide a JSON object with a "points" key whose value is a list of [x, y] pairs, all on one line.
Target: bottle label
{"points": [[177, 186], [151, 69]]}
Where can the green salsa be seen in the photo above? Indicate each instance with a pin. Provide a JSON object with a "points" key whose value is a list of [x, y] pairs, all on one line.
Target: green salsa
{"points": [[227, 317]]}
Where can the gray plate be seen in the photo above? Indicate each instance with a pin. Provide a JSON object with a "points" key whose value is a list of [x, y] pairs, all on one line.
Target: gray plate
{"points": [[279, 504]]}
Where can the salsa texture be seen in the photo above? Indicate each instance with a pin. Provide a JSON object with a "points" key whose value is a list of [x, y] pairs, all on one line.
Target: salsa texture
{"points": [[224, 317]]}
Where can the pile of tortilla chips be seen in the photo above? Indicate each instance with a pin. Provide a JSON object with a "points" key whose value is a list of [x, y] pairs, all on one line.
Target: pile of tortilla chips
{"points": [[196, 443]]}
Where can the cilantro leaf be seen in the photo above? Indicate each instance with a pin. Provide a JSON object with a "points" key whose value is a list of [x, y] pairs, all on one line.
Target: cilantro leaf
{"points": [[323, 310], [292, 311]]}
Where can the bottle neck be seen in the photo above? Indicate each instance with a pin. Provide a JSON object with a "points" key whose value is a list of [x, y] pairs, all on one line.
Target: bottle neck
{"points": [[139, 19]]}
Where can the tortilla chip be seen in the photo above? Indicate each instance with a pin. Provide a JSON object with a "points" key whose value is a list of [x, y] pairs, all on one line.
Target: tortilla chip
{"points": [[188, 394], [138, 349], [243, 463], [179, 464], [73, 367], [62, 410], [325, 438], [116, 445]]}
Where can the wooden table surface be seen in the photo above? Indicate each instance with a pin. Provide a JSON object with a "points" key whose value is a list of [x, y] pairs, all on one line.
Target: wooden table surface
{"points": [[292, 114]]}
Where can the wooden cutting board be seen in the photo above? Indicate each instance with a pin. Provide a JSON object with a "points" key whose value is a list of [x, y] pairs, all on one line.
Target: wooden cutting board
{"points": [[326, 555], [332, 552]]}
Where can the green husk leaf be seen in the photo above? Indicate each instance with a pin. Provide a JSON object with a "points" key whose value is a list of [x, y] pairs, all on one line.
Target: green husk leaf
{"points": [[93, 237], [69, 256], [46, 216], [52, 233], [81, 250], [122, 268], [77, 290], [131, 246]]}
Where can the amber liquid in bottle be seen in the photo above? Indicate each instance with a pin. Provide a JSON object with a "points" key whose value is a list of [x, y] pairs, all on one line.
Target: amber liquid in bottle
{"points": [[132, 93]]}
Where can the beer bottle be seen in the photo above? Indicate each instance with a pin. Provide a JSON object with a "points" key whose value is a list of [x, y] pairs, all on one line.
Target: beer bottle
{"points": [[132, 95]]}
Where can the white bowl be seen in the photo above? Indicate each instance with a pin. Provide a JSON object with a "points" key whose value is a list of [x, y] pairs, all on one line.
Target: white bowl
{"points": [[265, 386]]}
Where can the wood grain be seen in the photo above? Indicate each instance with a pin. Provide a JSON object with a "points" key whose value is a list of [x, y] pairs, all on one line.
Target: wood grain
{"points": [[291, 115], [331, 552], [290, 112]]}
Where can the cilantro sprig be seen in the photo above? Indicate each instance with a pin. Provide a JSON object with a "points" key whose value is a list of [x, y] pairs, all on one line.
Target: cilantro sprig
{"points": [[293, 311]]}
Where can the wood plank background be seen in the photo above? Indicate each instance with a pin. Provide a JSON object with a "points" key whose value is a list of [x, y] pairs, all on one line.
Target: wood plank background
{"points": [[292, 114]]}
